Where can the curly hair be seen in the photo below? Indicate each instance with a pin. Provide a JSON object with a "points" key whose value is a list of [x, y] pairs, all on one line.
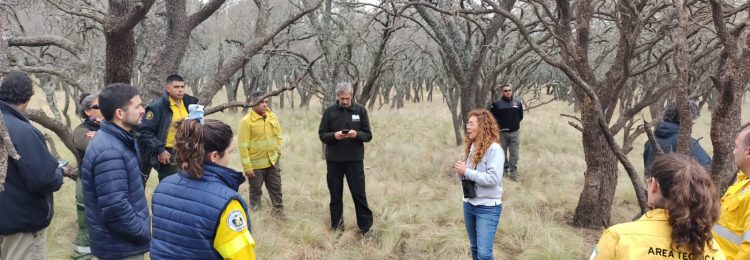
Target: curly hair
{"points": [[195, 142], [689, 198], [488, 133], [16, 88]]}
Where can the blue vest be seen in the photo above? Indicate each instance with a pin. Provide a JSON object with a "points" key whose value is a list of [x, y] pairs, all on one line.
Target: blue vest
{"points": [[187, 211]]}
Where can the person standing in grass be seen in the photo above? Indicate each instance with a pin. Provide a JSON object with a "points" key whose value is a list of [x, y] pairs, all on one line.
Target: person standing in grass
{"points": [[481, 175], [344, 129], [157, 132], [198, 213], [684, 207], [27, 201], [259, 138], [113, 191], [732, 231], [508, 112], [82, 134]]}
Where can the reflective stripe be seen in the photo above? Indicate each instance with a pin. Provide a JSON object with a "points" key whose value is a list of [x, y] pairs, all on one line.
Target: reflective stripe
{"points": [[746, 236], [83, 249], [236, 244], [729, 235], [596, 252]]}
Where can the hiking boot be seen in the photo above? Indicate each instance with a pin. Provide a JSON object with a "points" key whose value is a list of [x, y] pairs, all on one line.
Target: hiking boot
{"points": [[513, 176], [368, 235], [280, 214]]}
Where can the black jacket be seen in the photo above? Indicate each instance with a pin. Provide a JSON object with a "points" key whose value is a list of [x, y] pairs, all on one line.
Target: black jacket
{"points": [[336, 118], [27, 200], [154, 129], [667, 135], [508, 114]]}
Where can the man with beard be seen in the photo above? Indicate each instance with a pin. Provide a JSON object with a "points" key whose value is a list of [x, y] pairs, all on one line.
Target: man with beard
{"points": [[508, 112], [114, 197]]}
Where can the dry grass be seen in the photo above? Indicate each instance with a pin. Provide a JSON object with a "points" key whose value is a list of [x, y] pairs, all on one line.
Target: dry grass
{"points": [[417, 205]]}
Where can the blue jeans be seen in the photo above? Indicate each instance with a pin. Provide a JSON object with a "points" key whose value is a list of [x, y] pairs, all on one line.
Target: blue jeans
{"points": [[481, 224]]}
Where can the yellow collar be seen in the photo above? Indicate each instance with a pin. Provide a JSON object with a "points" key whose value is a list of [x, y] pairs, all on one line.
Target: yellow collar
{"points": [[172, 102], [255, 116], [655, 215]]}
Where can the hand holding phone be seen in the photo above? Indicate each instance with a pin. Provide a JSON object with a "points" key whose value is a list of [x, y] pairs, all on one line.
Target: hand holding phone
{"points": [[345, 131]]}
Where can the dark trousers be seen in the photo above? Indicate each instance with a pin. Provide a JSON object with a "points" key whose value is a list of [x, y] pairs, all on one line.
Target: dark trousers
{"points": [[355, 178], [272, 177], [165, 170]]}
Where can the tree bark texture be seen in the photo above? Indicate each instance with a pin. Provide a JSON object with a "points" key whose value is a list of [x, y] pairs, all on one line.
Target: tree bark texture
{"points": [[730, 80]]}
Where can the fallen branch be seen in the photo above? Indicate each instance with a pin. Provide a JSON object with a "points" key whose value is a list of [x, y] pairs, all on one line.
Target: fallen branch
{"points": [[247, 104]]}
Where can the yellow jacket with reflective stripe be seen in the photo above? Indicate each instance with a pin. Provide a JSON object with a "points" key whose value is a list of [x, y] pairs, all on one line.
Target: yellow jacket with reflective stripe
{"points": [[259, 141], [647, 238], [233, 239], [733, 228]]}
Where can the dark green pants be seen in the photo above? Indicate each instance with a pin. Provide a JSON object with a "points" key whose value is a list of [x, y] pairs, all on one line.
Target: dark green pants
{"points": [[82, 249]]}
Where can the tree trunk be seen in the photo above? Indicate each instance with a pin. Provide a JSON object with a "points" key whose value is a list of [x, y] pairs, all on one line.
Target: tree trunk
{"points": [[119, 58], [600, 178], [682, 65]]}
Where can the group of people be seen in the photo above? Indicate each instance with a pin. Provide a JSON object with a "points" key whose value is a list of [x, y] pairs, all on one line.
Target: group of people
{"points": [[197, 211], [686, 220]]}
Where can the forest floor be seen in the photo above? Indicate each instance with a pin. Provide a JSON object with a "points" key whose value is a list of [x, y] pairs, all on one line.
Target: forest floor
{"points": [[415, 200]]}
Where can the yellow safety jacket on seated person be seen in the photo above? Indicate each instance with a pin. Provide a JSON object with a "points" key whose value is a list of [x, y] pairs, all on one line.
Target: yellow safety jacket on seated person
{"points": [[647, 238]]}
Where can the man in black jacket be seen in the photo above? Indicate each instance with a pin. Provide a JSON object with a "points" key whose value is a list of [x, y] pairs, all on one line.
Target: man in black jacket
{"points": [[27, 200], [344, 129], [157, 131], [508, 112]]}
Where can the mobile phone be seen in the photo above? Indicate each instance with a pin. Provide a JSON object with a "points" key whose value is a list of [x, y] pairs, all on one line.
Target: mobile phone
{"points": [[345, 131], [61, 163]]}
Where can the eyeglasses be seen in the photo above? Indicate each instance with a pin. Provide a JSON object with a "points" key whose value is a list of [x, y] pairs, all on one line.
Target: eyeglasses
{"points": [[506, 90], [94, 107]]}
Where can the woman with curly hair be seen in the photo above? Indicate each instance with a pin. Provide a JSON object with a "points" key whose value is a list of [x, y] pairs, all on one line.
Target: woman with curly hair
{"points": [[684, 206], [198, 213], [481, 175]]}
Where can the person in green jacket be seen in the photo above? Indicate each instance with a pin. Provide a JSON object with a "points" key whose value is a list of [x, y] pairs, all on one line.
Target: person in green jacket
{"points": [[82, 134]]}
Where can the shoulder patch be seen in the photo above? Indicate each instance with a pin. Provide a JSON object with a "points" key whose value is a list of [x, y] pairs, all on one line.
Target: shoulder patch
{"points": [[235, 221], [150, 115]]}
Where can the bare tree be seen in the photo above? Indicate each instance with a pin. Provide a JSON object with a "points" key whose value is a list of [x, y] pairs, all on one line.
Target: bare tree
{"points": [[730, 80]]}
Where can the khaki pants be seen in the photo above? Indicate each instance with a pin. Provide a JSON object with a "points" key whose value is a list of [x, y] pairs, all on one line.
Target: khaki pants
{"points": [[272, 177], [23, 246]]}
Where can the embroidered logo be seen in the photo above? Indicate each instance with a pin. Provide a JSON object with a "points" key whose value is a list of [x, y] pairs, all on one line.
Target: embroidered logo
{"points": [[149, 115], [355, 118], [236, 221]]}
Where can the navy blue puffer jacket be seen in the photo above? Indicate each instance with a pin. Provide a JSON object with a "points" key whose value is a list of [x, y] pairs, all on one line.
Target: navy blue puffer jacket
{"points": [[116, 208], [187, 212]]}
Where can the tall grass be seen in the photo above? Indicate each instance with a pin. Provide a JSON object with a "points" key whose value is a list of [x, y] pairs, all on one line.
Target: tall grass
{"points": [[416, 203]]}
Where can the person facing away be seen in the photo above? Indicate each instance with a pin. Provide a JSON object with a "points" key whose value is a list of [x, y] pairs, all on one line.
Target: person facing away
{"points": [[157, 132], [667, 134], [481, 176], [113, 190], [198, 213], [508, 112], [82, 134], [683, 207], [732, 231], [26, 202], [259, 138], [344, 128]]}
